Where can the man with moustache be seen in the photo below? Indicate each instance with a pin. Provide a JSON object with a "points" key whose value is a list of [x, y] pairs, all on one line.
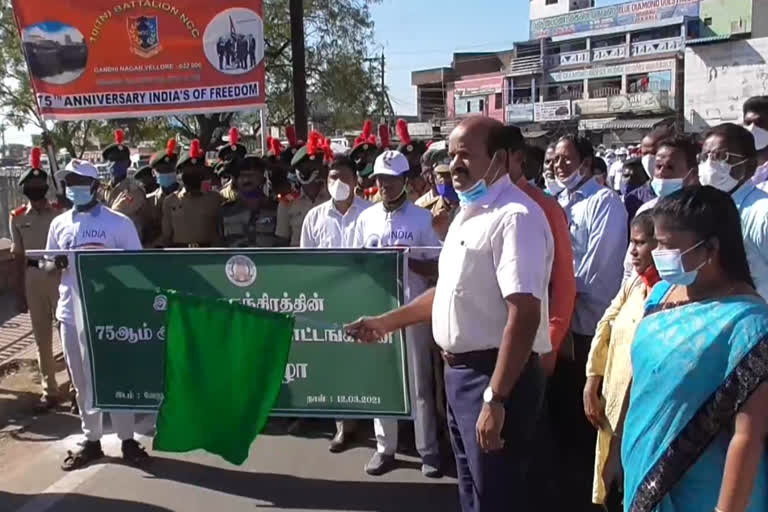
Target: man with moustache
{"points": [[489, 313]]}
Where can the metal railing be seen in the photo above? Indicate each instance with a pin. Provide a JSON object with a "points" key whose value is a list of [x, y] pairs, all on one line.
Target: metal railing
{"points": [[609, 53], [671, 44]]}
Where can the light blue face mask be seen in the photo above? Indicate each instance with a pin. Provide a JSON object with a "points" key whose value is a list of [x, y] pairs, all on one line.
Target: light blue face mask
{"points": [[669, 264], [80, 195], [166, 179], [476, 191]]}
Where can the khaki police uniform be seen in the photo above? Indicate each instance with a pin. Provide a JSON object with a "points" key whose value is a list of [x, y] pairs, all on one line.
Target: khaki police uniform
{"points": [[153, 216], [29, 231], [190, 220], [128, 198], [239, 226], [290, 215]]}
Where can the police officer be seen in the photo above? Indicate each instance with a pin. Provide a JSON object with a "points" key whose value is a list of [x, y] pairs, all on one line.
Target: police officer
{"points": [[309, 166], [163, 167], [397, 222], [413, 151], [88, 225], [363, 154], [250, 220], [122, 194], [37, 291], [190, 214], [229, 156]]}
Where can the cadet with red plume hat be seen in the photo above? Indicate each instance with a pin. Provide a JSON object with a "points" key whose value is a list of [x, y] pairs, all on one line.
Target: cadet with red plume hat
{"points": [[230, 155], [413, 150], [163, 167], [122, 194], [190, 214], [363, 154], [310, 171], [37, 291]]}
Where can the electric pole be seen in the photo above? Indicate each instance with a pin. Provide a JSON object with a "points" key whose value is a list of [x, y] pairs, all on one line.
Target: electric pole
{"points": [[299, 68], [385, 105]]}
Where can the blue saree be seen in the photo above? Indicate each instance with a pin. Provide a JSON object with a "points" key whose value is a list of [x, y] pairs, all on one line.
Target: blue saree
{"points": [[694, 367]]}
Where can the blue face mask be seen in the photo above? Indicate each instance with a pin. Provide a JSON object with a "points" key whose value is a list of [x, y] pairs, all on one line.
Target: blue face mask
{"points": [[447, 191], [80, 195], [478, 190], [119, 169], [669, 264], [166, 179], [664, 187]]}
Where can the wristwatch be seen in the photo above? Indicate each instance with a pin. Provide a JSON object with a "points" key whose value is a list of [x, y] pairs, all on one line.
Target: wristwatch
{"points": [[491, 398]]}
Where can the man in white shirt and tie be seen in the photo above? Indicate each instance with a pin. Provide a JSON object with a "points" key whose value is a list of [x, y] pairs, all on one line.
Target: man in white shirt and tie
{"points": [[489, 313], [332, 225]]}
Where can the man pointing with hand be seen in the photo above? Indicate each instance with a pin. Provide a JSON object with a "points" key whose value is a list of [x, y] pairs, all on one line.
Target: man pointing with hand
{"points": [[489, 313]]}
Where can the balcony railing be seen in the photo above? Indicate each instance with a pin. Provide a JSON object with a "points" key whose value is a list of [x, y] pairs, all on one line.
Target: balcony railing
{"points": [[655, 46], [609, 53], [526, 66], [568, 58], [604, 92]]}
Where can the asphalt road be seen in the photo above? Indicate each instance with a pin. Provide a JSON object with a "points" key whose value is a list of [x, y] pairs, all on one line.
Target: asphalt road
{"points": [[282, 473]]}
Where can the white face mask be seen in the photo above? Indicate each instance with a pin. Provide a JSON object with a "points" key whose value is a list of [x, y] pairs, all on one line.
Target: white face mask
{"points": [[760, 135], [718, 175], [649, 164], [338, 190], [571, 181], [553, 187]]}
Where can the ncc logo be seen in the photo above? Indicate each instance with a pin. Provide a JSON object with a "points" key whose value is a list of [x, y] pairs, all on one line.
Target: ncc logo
{"points": [[144, 35]]}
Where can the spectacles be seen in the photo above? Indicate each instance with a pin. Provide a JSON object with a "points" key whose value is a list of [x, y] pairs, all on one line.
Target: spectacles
{"points": [[719, 156]]}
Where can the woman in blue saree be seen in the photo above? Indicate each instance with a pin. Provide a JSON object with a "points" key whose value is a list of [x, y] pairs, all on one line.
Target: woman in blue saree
{"points": [[694, 437]]}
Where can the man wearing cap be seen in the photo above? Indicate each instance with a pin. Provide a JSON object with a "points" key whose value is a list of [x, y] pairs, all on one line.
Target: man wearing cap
{"points": [[146, 179], [489, 312], [413, 151], [190, 215], [249, 220], [397, 222], [122, 194], [88, 225], [229, 156], [308, 163], [363, 154], [37, 291], [163, 165]]}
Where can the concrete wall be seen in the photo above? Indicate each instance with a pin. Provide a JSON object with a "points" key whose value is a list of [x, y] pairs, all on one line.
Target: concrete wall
{"points": [[720, 78], [759, 18], [540, 9], [471, 89]]}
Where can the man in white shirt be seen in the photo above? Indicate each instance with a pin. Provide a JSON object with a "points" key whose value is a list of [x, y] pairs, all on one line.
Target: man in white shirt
{"points": [[396, 221], [332, 225], [489, 313], [88, 225]]}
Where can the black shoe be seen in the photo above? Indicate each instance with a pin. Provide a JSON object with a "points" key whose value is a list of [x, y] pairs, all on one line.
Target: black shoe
{"points": [[339, 443], [90, 452], [46, 405], [134, 453]]}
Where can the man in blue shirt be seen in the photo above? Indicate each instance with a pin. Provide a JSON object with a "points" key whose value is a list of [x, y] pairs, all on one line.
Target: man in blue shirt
{"points": [[728, 162], [598, 225]]}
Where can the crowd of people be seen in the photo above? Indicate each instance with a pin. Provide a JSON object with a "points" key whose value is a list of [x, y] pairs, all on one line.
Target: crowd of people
{"points": [[597, 315]]}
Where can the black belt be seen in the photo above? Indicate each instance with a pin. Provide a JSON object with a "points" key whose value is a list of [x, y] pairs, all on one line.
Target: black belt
{"points": [[481, 358]]}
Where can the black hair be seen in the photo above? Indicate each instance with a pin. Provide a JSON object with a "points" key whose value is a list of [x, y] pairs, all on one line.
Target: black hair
{"points": [[534, 161], [582, 145], [710, 213], [249, 163], [644, 221], [343, 161], [756, 104], [744, 140], [685, 144], [599, 166], [661, 132], [508, 138], [635, 165]]}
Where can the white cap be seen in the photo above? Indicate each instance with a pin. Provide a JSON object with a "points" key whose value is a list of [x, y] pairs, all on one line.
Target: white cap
{"points": [[622, 151], [79, 167], [391, 163], [610, 152]]}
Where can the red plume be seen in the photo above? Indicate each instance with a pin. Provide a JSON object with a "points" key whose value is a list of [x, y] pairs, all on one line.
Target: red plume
{"points": [[367, 129], [276, 147], [170, 149], [34, 158], [372, 139], [327, 151], [315, 143], [402, 132], [194, 149], [269, 144], [290, 134], [234, 136], [119, 137], [359, 140], [384, 135]]}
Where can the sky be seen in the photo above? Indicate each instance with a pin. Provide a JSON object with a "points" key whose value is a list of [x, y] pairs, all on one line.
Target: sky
{"points": [[421, 34]]}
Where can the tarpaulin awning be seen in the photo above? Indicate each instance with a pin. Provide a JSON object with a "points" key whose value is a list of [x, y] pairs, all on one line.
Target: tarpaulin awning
{"points": [[534, 134], [635, 124], [594, 124], [707, 40]]}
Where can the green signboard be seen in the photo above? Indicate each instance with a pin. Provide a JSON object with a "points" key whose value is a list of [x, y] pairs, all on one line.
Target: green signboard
{"points": [[124, 298]]}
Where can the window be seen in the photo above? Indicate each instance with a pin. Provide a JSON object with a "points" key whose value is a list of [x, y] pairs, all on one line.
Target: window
{"points": [[469, 107], [708, 22], [552, 2], [482, 107], [497, 101]]}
